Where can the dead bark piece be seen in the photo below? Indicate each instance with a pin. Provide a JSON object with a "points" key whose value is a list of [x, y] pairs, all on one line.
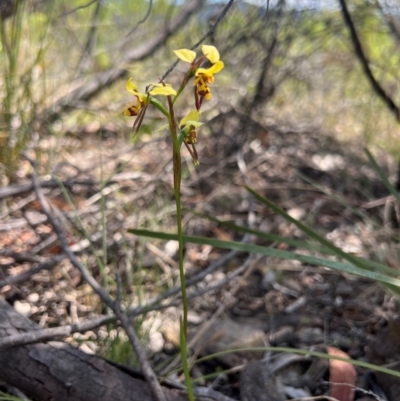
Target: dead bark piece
{"points": [[57, 371], [342, 376]]}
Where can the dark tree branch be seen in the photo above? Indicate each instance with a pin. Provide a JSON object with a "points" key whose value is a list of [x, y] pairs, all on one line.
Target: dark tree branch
{"points": [[214, 26], [259, 95], [53, 333], [78, 8], [142, 21], [376, 86]]}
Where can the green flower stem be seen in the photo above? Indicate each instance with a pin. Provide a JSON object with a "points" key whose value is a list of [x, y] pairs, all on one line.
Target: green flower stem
{"points": [[177, 190], [177, 143], [185, 365]]}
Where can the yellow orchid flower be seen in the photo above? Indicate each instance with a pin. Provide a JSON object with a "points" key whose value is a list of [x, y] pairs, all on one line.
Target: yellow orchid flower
{"points": [[142, 99], [188, 126], [189, 123], [209, 72], [204, 76]]}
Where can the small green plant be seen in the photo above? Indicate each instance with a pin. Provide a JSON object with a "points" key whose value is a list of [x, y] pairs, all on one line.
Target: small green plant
{"points": [[183, 132], [117, 348]]}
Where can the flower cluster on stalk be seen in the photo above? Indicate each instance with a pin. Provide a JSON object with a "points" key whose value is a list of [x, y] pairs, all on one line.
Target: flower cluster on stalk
{"points": [[202, 69]]}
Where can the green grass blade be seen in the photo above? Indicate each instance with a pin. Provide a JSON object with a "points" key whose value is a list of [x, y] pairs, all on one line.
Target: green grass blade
{"points": [[381, 267], [276, 253], [267, 236]]}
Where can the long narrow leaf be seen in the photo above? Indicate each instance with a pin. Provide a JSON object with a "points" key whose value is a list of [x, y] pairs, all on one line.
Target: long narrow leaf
{"points": [[250, 248], [267, 236], [369, 264]]}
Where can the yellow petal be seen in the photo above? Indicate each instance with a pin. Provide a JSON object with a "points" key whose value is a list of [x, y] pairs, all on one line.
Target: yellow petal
{"points": [[160, 89], [211, 53], [191, 117], [186, 55], [131, 87], [217, 67]]}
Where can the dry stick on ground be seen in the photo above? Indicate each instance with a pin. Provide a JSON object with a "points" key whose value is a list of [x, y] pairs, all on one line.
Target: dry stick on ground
{"points": [[42, 335], [49, 264], [68, 330], [114, 306], [19, 189]]}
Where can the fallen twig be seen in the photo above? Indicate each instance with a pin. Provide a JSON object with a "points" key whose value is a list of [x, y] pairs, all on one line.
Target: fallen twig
{"points": [[46, 265]]}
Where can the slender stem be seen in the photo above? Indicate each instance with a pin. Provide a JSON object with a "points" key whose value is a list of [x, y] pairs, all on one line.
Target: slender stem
{"points": [[177, 190]]}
